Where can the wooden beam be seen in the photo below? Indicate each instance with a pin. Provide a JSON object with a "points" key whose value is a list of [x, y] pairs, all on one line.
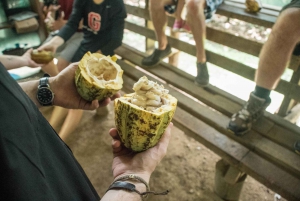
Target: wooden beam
{"points": [[215, 119], [224, 62], [233, 152]]}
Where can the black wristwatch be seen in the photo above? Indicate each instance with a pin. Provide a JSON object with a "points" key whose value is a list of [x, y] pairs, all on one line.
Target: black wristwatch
{"points": [[44, 94]]}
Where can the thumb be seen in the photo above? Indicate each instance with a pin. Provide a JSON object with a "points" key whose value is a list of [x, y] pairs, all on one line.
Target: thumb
{"points": [[62, 15]]}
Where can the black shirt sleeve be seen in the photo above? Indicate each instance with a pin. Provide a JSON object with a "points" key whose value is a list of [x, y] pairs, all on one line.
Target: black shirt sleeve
{"points": [[72, 25]]}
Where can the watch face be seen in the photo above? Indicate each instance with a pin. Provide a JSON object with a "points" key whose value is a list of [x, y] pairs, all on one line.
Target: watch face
{"points": [[45, 95]]}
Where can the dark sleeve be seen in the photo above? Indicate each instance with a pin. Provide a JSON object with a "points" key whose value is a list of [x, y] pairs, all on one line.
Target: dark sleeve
{"points": [[118, 22], [72, 25]]}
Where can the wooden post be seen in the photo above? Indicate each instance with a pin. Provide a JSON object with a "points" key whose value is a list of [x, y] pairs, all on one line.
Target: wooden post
{"points": [[150, 44], [228, 181]]}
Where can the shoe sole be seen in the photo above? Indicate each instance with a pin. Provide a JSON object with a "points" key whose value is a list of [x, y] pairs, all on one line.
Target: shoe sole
{"points": [[296, 148], [201, 85], [153, 65], [238, 133]]}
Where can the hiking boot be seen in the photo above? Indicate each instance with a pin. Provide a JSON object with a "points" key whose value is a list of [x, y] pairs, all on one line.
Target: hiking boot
{"points": [[157, 56], [297, 147], [241, 122], [202, 78]]}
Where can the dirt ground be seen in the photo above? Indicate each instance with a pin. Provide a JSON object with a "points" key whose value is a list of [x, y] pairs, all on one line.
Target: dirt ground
{"points": [[188, 169]]}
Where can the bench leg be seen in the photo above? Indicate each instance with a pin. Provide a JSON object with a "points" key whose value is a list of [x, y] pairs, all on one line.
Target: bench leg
{"points": [[228, 181]]}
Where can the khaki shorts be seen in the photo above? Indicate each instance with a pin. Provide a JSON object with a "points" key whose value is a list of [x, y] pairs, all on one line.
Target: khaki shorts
{"points": [[292, 4]]}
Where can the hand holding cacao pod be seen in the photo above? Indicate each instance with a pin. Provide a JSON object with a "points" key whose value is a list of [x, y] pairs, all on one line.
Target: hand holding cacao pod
{"points": [[98, 76], [41, 57], [142, 117]]}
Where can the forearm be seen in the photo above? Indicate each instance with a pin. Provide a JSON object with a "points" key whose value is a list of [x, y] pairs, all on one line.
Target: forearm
{"points": [[30, 88], [57, 41], [11, 62]]}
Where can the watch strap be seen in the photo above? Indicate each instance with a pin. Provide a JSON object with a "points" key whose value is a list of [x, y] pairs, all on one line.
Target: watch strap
{"points": [[44, 81]]}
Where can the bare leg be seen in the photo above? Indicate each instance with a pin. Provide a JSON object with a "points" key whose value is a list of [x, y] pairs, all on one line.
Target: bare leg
{"points": [[277, 51], [57, 116], [159, 20], [50, 68], [196, 20], [179, 10], [62, 64], [72, 120]]}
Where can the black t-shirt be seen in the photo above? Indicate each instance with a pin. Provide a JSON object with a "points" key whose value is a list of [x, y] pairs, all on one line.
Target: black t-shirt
{"points": [[35, 164], [103, 25]]}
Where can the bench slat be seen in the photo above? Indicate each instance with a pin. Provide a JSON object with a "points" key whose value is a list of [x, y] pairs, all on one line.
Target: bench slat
{"points": [[230, 150], [282, 87], [215, 102]]}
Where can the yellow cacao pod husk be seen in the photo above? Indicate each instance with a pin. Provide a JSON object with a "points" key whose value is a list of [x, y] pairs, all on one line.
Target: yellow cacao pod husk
{"points": [[139, 127], [98, 76], [41, 57]]}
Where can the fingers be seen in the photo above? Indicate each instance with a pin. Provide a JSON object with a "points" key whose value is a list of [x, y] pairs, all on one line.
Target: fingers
{"points": [[164, 141], [116, 143], [105, 102], [117, 95]]}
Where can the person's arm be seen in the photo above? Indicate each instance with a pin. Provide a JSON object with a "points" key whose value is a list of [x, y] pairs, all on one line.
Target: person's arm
{"points": [[140, 164], [74, 20], [118, 23], [12, 61], [65, 92]]}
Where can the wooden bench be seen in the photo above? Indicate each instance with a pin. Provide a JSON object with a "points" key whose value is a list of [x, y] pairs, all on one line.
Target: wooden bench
{"points": [[266, 152]]}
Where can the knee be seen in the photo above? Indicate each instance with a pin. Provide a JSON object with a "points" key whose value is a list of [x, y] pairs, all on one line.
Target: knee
{"points": [[156, 4], [288, 23], [194, 7]]}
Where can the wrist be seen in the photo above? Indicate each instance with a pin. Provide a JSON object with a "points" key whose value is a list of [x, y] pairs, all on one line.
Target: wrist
{"points": [[145, 176]]}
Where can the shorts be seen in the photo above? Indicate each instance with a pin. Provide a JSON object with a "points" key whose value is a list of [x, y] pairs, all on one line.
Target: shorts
{"points": [[292, 4], [69, 48], [211, 7]]}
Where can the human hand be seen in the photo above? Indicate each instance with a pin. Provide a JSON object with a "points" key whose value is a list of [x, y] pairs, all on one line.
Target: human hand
{"points": [[27, 59], [52, 45], [66, 95], [51, 8], [141, 164], [53, 24]]}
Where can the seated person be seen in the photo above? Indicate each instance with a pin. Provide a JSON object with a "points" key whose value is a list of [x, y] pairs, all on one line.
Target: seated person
{"points": [[197, 12], [103, 25], [273, 59]]}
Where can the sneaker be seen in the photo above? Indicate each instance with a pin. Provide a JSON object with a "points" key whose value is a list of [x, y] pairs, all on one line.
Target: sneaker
{"points": [[241, 122], [157, 56], [185, 27], [297, 147], [177, 26], [202, 78]]}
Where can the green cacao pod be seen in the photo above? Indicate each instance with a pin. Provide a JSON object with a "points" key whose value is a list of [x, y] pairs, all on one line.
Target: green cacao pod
{"points": [[98, 76], [142, 117], [41, 57]]}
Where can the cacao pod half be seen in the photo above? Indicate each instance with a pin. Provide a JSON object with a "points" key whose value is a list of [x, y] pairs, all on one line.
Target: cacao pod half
{"points": [[41, 57], [98, 76], [142, 117]]}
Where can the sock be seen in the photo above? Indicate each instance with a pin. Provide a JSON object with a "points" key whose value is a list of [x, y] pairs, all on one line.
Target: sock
{"points": [[262, 92]]}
